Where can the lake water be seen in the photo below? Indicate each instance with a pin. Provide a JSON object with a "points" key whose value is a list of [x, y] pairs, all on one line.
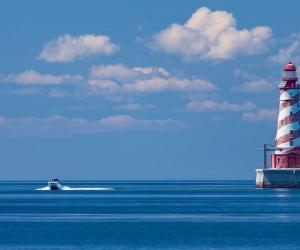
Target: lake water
{"points": [[148, 215]]}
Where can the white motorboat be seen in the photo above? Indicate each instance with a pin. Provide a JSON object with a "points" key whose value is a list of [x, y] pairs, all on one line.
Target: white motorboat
{"points": [[55, 184]]}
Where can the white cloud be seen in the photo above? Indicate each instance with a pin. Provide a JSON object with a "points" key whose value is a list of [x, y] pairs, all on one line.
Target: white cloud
{"points": [[25, 91], [32, 77], [67, 48], [135, 106], [210, 105], [113, 78], [152, 70], [33, 90], [244, 74], [162, 84], [261, 115], [118, 121], [59, 125], [121, 73], [103, 85], [252, 83], [57, 93], [291, 51], [254, 86], [211, 35]]}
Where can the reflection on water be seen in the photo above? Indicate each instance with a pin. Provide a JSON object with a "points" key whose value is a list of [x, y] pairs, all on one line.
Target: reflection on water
{"points": [[148, 215]]}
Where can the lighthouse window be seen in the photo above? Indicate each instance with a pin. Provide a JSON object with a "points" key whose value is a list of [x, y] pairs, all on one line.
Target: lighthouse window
{"points": [[291, 143], [291, 112], [291, 131]]}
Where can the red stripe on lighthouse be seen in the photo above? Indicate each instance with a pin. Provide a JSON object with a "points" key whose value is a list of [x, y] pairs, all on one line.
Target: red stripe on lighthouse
{"points": [[288, 137], [289, 119], [287, 103]]}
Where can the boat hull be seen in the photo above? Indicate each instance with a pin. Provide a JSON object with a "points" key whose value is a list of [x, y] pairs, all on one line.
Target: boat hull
{"points": [[54, 186]]}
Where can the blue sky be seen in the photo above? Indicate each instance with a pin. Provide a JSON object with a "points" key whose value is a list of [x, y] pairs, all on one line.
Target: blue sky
{"points": [[141, 89]]}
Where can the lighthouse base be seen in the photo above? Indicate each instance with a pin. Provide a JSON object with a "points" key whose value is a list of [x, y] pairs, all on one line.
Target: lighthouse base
{"points": [[278, 178]]}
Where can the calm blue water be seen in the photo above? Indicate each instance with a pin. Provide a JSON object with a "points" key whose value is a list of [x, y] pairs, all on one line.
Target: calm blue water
{"points": [[149, 215]]}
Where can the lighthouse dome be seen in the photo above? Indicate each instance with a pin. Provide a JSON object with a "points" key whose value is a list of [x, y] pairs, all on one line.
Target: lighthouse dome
{"points": [[289, 76], [290, 67]]}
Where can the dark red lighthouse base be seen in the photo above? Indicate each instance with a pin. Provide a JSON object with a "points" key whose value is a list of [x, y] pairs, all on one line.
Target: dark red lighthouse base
{"points": [[288, 160]]}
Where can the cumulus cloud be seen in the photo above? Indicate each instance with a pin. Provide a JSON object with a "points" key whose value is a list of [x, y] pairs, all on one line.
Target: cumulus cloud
{"points": [[103, 86], [135, 106], [57, 93], [113, 78], [31, 77], [210, 105], [160, 84], [67, 48], [291, 51], [251, 83], [122, 73], [254, 86], [211, 35], [261, 115], [24, 91], [59, 125]]}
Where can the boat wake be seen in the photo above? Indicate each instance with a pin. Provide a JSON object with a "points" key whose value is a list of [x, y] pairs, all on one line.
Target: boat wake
{"points": [[66, 188]]}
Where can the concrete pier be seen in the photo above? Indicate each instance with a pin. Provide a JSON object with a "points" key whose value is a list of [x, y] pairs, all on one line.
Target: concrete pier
{"points": [[278, 178]]}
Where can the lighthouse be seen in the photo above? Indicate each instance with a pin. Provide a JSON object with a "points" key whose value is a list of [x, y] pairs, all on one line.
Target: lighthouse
{"points": [[288, 126], [284, 169]]}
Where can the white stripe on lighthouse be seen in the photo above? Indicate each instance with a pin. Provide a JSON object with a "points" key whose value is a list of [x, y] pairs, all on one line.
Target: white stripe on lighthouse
{"points": [[287, 111], [288, 94], [287, 128], [286, 145]]}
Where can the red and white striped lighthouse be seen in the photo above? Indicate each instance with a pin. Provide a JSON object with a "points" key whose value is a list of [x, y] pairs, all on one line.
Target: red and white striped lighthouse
{"points": [[288, 128]]}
